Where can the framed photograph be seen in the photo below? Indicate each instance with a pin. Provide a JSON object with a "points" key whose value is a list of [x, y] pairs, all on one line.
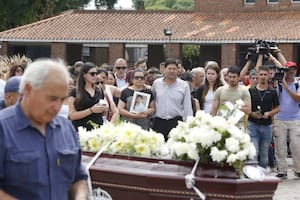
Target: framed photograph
{"points": [[140, 102]]}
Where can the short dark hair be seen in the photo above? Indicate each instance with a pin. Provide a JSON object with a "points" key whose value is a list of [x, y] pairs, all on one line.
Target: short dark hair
{"points": [[234, 70], [171, 61], [263, 68]]}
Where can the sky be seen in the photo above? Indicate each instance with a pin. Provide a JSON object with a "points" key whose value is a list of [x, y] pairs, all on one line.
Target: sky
{"points": [[122, 4]]}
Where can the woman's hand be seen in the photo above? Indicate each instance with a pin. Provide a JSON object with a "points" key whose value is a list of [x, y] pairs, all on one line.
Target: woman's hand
{"points": [[97, 108]]}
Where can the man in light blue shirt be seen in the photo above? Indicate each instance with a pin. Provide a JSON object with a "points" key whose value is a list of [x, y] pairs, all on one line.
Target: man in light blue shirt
{"points": [[287, 122], [40, 156], [172, 99]]}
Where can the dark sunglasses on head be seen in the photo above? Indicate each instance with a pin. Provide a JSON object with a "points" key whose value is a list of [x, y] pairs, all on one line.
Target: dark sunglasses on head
{"points": [[93, 73], [118, 68], [139, 77]]}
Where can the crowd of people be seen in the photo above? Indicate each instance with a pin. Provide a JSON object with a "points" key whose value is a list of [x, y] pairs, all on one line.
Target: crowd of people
{"points": [[47, 102]]}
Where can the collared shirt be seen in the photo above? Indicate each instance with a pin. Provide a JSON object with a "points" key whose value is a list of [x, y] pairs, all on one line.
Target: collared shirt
{"points": [[121, 83], [172, 100], [33, 166]]}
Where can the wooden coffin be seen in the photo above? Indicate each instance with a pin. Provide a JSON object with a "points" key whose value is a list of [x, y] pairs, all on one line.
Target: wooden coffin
{"points": [[125, 177]]}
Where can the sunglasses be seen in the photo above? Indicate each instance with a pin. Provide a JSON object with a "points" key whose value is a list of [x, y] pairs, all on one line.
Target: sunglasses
{"points": [[139, 77], [118, 68], [93, 73]]}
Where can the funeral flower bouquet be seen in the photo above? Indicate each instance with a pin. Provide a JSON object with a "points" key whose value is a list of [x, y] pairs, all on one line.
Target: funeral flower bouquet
{"points": [[211, 139], [125, 138]]}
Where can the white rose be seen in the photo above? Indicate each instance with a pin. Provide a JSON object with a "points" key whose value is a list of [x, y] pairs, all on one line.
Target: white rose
{"points": [[192, 152], [232, 158], [217, 155], [232, 144]]}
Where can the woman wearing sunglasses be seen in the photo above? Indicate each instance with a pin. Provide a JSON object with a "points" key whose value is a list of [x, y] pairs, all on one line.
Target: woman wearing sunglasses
{"points": [[85, 107], [127, 97]]}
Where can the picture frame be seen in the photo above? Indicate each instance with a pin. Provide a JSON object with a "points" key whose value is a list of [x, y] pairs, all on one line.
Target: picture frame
{"points": [[140, 102]]}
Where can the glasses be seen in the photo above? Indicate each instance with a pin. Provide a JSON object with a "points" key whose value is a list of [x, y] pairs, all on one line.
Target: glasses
{"points": [[118, 68], [93, 73], [139, 78]]}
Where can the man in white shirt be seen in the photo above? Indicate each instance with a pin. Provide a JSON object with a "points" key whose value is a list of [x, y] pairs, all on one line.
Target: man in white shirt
{"points": [[120, 68]]}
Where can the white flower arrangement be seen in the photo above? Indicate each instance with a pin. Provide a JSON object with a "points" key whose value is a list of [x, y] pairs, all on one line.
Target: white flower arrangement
{"points": [[211, 139], [125, 138]]}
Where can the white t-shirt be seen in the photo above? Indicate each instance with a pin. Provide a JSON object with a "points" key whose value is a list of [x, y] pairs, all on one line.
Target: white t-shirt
{"points": [[209, 98]]}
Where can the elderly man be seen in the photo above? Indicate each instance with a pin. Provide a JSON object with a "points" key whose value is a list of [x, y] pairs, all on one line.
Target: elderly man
{"points": [[120, 68], [198, 76], [40, 156], [11, 92]]}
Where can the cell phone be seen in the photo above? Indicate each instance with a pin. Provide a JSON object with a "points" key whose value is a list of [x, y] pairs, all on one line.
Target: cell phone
{"points": [[102, 102]]}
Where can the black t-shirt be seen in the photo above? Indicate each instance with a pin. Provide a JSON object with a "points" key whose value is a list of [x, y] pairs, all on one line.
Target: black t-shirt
{"points": [[267, 100], [127, 98], [198, 95], [87, 102]]}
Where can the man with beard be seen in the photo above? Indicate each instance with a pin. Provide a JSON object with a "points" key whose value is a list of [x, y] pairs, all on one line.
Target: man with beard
{"points": [[232, 92]]}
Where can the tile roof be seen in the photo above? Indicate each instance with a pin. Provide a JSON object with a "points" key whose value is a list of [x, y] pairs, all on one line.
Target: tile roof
{"points": [[86, 26]]}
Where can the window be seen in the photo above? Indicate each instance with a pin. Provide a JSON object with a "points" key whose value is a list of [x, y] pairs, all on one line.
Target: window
{"points": [[249, 1], [272, 1], [295, 1]]}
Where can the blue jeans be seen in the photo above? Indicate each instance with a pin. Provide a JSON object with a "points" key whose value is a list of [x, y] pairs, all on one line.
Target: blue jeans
{"points": [[261, 136]]}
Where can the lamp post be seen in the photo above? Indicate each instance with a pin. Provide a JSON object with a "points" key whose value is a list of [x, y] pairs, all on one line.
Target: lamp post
{"points": [[168, 32]]}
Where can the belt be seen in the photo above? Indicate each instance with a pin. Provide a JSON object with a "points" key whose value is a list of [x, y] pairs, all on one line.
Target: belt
{"points": [[174, 118]]}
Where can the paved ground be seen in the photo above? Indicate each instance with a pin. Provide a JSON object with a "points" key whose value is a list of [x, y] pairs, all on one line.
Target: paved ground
{"points": [[288, 189]]}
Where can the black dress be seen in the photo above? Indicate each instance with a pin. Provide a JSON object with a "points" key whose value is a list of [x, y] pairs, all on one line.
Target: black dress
{"points": [[93, 120]]}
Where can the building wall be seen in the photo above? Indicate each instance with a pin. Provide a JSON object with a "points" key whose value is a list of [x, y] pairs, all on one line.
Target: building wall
{"points": [[116, 50], [58, 50], [229, 54], [239, 6], [289, 51]]}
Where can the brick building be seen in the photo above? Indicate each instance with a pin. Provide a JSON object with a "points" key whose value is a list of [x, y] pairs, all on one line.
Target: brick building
{"points": [[223, 29]]}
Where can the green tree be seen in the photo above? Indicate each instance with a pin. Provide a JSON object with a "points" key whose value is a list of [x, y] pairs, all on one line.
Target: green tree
{"points": [[14, 13], [167, 4], [190, 55], [109, 4]]}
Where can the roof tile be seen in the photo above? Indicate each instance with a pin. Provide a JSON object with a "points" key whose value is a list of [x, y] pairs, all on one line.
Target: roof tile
{"points": [[147, 26]]}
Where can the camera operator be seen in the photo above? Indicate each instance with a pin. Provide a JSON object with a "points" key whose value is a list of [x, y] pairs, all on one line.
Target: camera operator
{"points": [[287, 121], [263, 53]]}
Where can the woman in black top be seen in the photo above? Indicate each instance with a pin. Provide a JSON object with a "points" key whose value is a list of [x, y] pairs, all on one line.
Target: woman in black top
{"points": [[85, 105], [126, 109]]}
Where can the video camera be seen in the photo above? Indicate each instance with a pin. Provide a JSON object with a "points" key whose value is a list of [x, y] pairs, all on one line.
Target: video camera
{"points": [[260, 47], [279, 73]]}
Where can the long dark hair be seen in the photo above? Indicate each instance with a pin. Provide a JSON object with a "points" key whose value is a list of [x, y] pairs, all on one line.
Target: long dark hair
{"points": [[13, 69], [80, 86], [213, 66]]}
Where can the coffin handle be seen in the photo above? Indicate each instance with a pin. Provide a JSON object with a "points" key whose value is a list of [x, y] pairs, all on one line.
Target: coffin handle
{"points": [[190, 181]]}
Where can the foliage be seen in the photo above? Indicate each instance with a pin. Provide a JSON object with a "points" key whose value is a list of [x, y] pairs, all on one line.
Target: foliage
{"points": [[168, 4], [15, 13], [109, 4], [191, 55]]}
